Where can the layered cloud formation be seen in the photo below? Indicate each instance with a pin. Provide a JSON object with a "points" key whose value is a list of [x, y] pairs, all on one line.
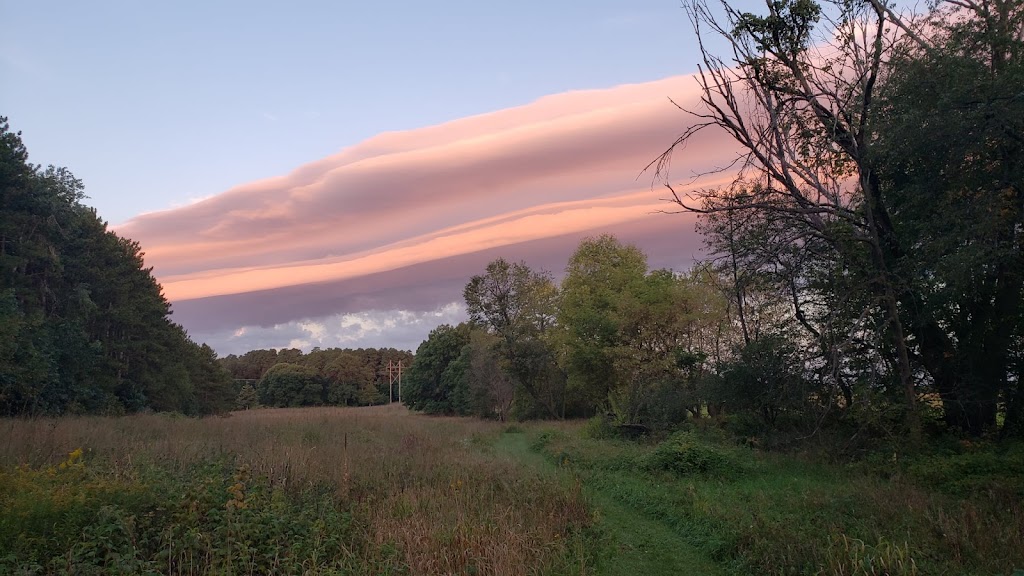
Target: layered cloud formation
{"points": [[401, 221]]}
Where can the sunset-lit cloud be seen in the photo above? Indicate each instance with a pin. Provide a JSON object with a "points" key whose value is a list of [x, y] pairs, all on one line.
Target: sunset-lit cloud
{"points": [[400, 222]]}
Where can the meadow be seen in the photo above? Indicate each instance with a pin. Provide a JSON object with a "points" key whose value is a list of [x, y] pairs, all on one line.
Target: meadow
{"points": [[382, 490], [287, 491]]}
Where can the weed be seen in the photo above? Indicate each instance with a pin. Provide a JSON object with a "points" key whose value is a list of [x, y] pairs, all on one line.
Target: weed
{"points": [[290, 491]]}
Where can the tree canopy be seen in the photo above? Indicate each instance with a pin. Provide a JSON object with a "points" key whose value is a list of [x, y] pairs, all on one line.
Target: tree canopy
{"points": [[879, 193], [331, 376], [84, 327]]}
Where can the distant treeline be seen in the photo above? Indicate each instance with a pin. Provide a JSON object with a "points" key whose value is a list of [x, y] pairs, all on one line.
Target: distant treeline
{"points": [[84, 327], [335, 376]]}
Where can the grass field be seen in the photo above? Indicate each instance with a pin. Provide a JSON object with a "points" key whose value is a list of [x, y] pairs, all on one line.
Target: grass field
{"points": [[949, 512], [383, 491], [311, 491]]}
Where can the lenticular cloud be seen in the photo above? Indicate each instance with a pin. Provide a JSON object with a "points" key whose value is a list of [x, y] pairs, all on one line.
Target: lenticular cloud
{"points": [[401, 220]]}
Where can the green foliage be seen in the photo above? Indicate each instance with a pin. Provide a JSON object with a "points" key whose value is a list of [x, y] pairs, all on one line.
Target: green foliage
{"points": [[973, 469], [786, 30], [248, 398], [542, 440], [74, 519], [683, 454], [350, 377], [85, 326], [518, 305], [759, 513], [881, 207], [599, 427], [858, 558], [434, 382], [291, 385], [598, 274], [766, 379], [635, 341], [948, 148], [490, 387]]}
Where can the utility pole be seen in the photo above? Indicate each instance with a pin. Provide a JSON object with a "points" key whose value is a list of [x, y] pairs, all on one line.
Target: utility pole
{"points": [[394, 373]]}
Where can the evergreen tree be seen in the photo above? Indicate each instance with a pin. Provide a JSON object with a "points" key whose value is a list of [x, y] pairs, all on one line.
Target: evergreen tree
{"points": [[84, 325]]}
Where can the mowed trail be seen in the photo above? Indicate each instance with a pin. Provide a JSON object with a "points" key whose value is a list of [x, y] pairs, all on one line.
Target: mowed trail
{"points": [[641, 545]]}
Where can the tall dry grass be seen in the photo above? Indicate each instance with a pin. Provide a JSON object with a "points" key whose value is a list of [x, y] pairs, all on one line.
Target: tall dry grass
{"points": [[431, 489]]}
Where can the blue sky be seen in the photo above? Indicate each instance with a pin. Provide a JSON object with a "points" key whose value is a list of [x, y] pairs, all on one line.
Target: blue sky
{"points": [[327, 173], [157, 104]]}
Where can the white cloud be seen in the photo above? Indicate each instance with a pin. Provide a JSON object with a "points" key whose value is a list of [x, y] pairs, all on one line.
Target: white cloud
{"points": [[316, 330], [401, 329]]}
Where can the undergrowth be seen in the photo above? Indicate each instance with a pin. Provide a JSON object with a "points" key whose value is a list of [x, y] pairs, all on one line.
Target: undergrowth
{"points": [[314, 491], [767, 513]]}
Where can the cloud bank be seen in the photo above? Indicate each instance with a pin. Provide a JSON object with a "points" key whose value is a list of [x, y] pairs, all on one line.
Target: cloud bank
{"points": [[397, 224]]}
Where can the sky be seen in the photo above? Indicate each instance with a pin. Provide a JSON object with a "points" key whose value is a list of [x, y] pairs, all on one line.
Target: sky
{"points": [[332, 173]]}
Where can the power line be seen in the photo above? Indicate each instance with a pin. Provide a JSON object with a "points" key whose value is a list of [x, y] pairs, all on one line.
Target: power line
{"points": [[394, 374]]}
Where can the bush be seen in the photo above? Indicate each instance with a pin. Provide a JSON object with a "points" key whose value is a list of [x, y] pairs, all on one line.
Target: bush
{"points": [[682, 454], [766, 380], [599, 428]]}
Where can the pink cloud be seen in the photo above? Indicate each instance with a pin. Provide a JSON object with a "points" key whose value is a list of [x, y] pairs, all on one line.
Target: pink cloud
{"points": [[404, 211]]}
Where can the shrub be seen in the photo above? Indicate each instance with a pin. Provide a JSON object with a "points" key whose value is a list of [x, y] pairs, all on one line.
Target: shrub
{"points": [[599, 428], [682, 454]]}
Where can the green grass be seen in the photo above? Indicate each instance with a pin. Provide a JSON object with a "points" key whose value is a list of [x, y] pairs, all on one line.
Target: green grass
{"points": [[622, 541], [756, 513], [383, 491]]}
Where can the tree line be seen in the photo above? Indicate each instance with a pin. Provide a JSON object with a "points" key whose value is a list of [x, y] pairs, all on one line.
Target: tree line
{"points": [[323, 377], [84, 327], [646, 348], [865, 266]]}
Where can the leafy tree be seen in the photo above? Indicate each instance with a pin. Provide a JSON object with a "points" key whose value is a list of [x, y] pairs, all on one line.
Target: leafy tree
{"points": [[352, 377], [491, 389], [212, 386], [949, 143], [347, 374], [879, 178], [766, 378], [290, 385], [252, 365], [518, 305], [431, 378], [668, 323], [599, 274], [804, 118]]}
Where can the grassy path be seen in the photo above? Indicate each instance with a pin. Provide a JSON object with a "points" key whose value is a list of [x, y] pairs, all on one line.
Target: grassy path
{"points": [[641, 545]]}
